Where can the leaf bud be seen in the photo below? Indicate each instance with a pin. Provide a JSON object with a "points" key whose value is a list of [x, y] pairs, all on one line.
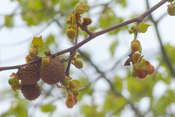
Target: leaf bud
{"points": [[76, 93], [71, 34], [65, 82], [130, 31], [135, 45], [33, 52], [47, 53], [78, 63], [45, 60], [133, 27], [13, 81]]}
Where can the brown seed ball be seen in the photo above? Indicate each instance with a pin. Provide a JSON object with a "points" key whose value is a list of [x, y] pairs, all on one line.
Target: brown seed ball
{"points": [[53, 72], [29, 74], [30, 92]]}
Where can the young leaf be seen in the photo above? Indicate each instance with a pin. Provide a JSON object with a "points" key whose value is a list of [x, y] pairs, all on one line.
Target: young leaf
{"points": [[38, 41], [81, 7], [79, 85], [143, 27]]}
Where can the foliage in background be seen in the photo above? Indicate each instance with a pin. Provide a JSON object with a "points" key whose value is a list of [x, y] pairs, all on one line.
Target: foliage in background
{"points": [[36, 12]]}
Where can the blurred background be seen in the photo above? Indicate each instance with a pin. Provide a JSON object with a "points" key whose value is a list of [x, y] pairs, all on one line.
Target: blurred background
{"points": [[110, 90]]}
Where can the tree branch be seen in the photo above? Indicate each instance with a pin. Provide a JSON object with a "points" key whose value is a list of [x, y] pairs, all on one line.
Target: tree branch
{"points": [[95, 34]]}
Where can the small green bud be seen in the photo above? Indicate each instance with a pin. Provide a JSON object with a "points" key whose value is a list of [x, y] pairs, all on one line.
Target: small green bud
{"points": [[76, 93], [10, 81], [130, 31], [13, 81], [47, 52], [32, 54], [65, 82], [133, 27], [45, 60], [78, 63], [71, 34], [135, 45]]}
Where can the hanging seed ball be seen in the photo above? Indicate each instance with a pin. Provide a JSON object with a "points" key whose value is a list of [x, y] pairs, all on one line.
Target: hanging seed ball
{"points": [[31, 92], [53, 72], [29, 74]]}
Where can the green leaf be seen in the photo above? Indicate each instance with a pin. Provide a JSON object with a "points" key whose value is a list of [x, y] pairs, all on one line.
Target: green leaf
{"points": [[91, 111], [143, 27], [79, 85], [67, 5], [81, 7], [50, 41], [108, 18], [118, 83], [113, 47], [168, 98], [113, 103], [9, 20], [38, 41], [35, 4], [48, 108], [87, 90], [21, 108]]}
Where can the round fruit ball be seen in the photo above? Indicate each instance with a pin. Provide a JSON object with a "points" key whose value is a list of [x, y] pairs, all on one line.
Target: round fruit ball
{"points": [[53, 72], [29, 74], [30, 92]]}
